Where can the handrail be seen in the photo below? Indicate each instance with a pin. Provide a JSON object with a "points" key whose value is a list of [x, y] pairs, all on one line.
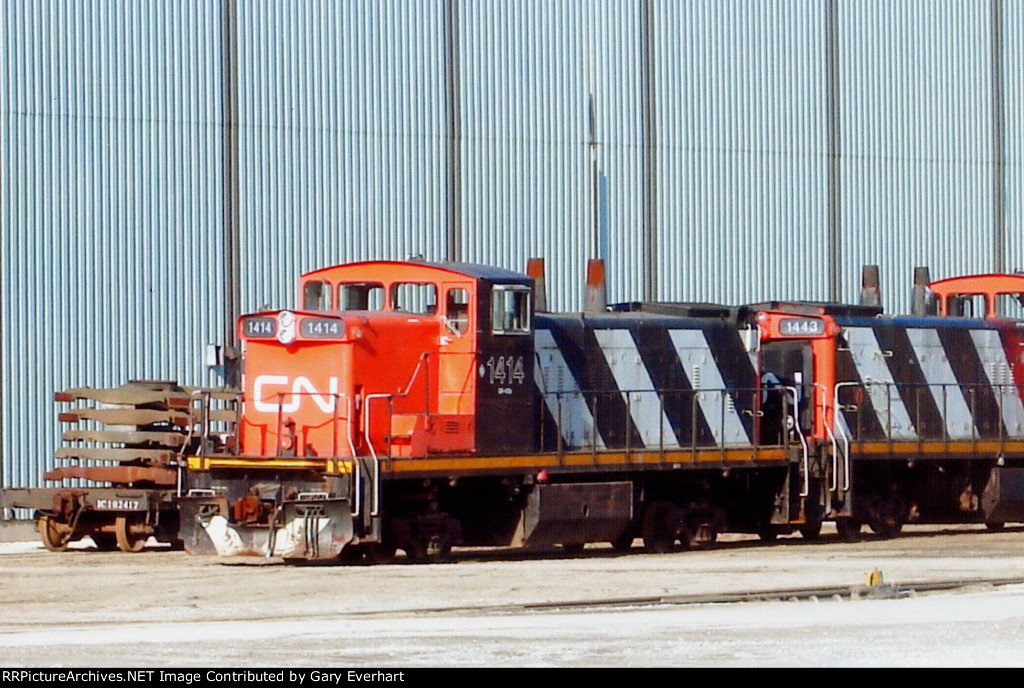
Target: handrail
{"points": [[348, 420], [375, 482], [831, 435], [803, 440], [846, 455], [832, 438]]}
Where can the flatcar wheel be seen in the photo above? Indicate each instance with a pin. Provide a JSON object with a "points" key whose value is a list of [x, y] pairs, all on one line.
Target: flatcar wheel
{"points": [[656, 529], [105, 542], [849, 529], [54, 534], [176, 544], [130, 533]]}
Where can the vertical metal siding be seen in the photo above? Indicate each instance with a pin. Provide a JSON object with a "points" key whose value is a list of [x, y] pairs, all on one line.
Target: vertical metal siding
{"points": [[529, 70], [1013, 150], [110, 145], [341, 137], [741, 129], [916, 157], [109, 205]]}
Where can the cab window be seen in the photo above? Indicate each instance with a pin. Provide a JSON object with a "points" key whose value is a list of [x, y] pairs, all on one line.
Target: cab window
{"points": [[1010, 306], [361, 296], [967, 306], [414, 297], [316, 296], [510, 309], [456, 310]]}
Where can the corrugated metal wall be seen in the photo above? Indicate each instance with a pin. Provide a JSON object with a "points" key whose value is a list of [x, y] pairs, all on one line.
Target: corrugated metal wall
{"points": [[1013, 149], [341, 137], [110, 207], [915, 109], [742, 197], [369, 129], [541, 82]]}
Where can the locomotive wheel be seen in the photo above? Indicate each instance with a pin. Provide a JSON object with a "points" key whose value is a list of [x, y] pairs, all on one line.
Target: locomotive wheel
{"points": [[421, 552], [994, 526], [624, 542], [380, 553], [657, 529], [352, 554], [130, 533], [572, 547], [885, 517], [849, 529], [811, 530], [54, 534], [105, 542], [767, 533]]}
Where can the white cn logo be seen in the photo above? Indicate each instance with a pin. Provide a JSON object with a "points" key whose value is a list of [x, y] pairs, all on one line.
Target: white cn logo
{"points": [[269, 397]]}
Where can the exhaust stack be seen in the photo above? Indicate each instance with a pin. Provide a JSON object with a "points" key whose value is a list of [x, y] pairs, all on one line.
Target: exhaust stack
{"points": [[596, 298], [535, 269], [870, 294], [922, 300]]}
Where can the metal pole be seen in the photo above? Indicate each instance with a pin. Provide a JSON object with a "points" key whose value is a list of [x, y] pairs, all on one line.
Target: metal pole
{"points": [[453, 114], [998, 142], [834, 149], [594, 199], [650, 190], [229, 185]]}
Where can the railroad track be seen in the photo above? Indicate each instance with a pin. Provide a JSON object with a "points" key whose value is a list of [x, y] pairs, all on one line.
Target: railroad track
{"points": [[856, 592]]}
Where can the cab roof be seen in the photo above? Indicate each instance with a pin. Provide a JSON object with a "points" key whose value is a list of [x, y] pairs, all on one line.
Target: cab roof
{"points": [[472, 270]]}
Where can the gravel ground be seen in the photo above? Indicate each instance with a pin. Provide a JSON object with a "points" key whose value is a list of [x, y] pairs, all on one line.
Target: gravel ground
{"points": [[159, 608]]}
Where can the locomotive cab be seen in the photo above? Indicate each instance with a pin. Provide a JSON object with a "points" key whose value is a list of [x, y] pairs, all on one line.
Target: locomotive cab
{"points": [[980, 296], [413, 353]]}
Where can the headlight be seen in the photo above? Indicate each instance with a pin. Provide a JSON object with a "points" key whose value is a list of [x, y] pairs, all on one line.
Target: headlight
{"points": [[286, 327]]}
